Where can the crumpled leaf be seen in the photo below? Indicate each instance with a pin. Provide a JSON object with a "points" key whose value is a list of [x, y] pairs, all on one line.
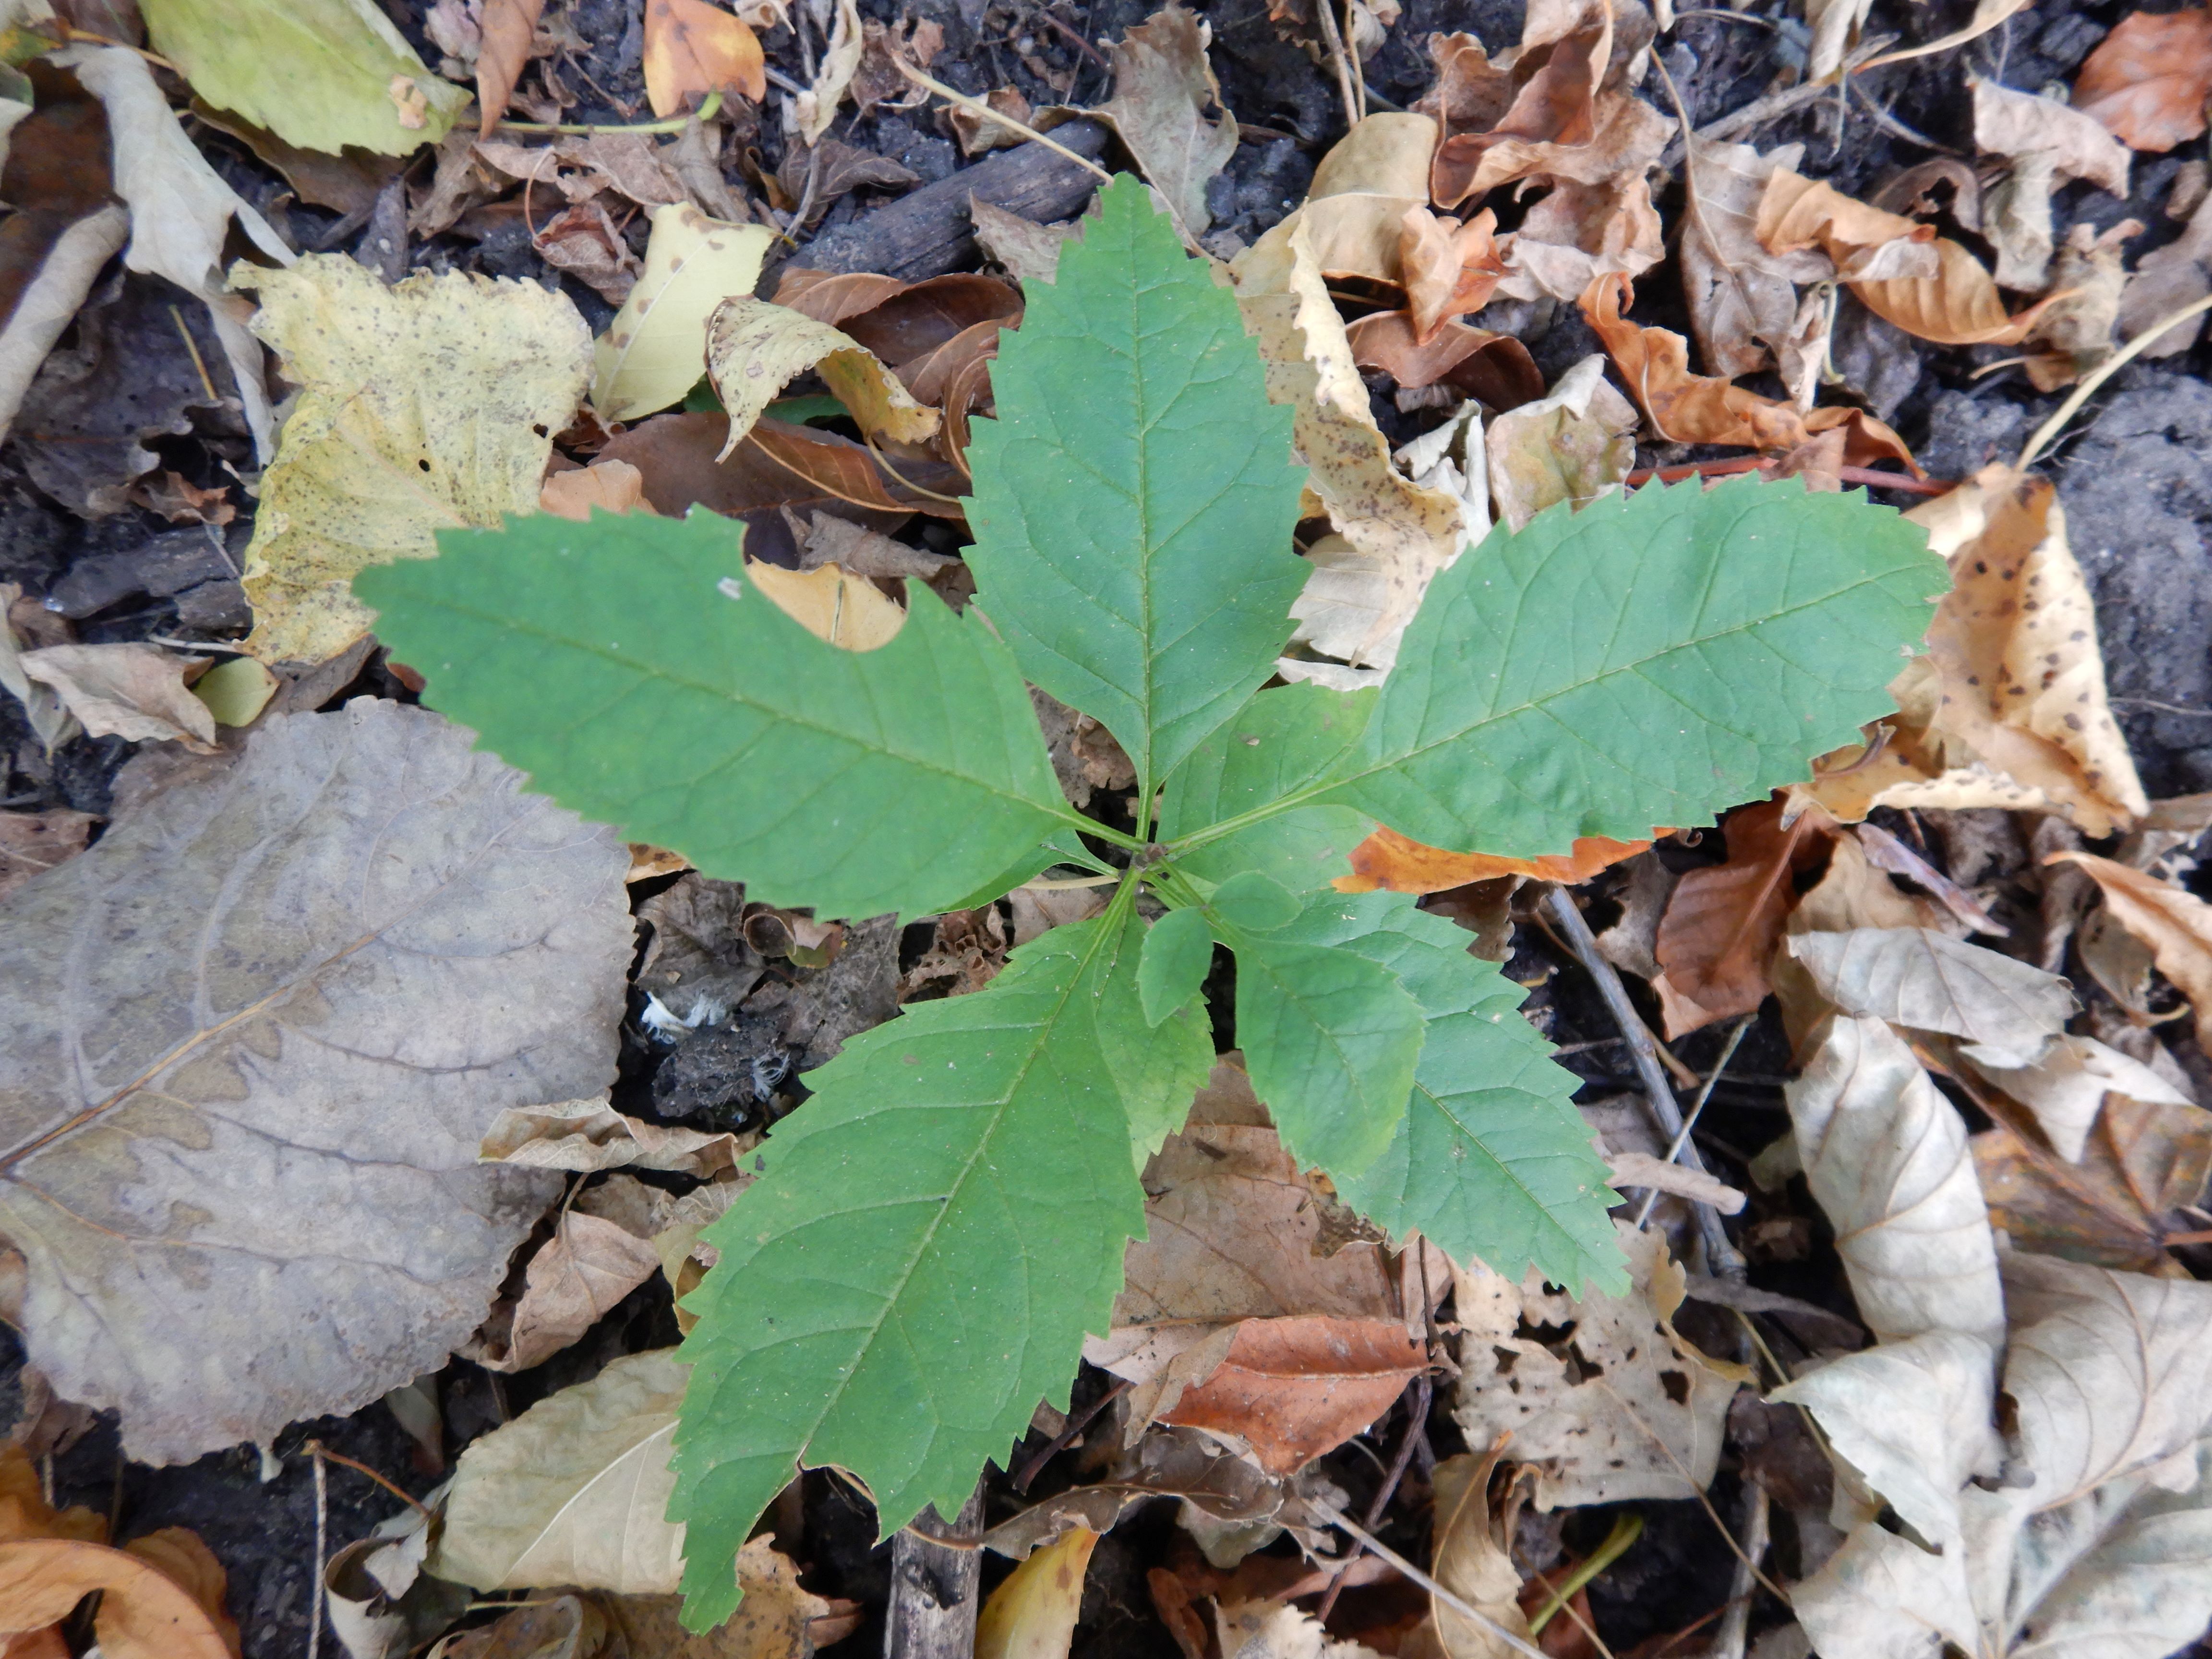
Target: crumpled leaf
{"points": [[2065, 1088], [131, 690], [2016, 124], [1966, 739], [196, 1176], [1031, 1615], [1863, 243], [655, 350], [2148, 80], [1958, 305], [1722, 924], [32, 844], [1472, 1561], [1277, 1630], [574, 1279], [2173, 922], [575, 1491], [754, 349], [320, 74], [1448, 268], [692, 49], [1572, 446], [2116, 1202], [1386, 860], [1742, 298], [423, 406], [817, 107], [590, 1134], [1886, 1158], [1162, 87], [181, 210], [1616, 1405], [2008, 1012]]}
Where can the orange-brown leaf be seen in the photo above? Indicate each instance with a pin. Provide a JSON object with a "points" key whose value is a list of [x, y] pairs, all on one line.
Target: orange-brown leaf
{"points": [[144, 1613], [2173, 922], [1388, 859], [1474, 362], [509, 29], [692, 49], [2148, 80], [1796, 212], [1553, 109], [1722, 923], [1958, 305], [1450, 268], [24, 1513], [1296, 1388]]}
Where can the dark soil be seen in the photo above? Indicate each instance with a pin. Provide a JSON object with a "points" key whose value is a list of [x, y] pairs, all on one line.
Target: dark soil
{"points": [[2136, 480]]}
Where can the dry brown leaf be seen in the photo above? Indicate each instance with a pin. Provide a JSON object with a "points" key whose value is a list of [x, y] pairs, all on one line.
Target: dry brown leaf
{"points": [[2148, 80], [574, 1281], [606, 486], [144, 1613], [1958, 305], [1864, 243], [2166, 280], [583, 240], [1353, 218], [2075, 333], [1614, 1404], [850, 612], [1494, 369], [1388, 859], [134, 691], [2109, 1206], [1723, 924], [1553, 112], [1286, 1391], [815, 108], [1448, 269], [2173, 922], [1686, 408], [24, 1513], [590, 1134], [1578, 232], [1163, 88], [692, 49], [2016, 124], [1472, 1557], [1742, 298], [977, 134], [1572, 446], [1887, 1161], [2008, 1013], [32, 844], [1029, 252], [507, 31], [2064, 1090]]}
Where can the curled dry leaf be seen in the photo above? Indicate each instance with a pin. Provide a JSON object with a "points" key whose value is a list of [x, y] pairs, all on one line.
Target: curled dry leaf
{"points": [[134, 691], [1286, 1391], [1958, 305], [1572, 446], [2113, 1204], [2148, 80], [1742, 298], [2016, 124], [1448, 269], [2064, 1089], [817, 107], [1031, 1615], [590, 1134], [426, 405], [144, 1613], [1617, 1405], [196, 1181], [1863, 243], [2174, 923], [1472, 1558], [605, 487], [2006, 1012], [509, 31], [1476, 362], [1388, 859], [1722, 923], [1887, 1161], [655, 350], [754, 349], [692, 49], [1163, 88]]}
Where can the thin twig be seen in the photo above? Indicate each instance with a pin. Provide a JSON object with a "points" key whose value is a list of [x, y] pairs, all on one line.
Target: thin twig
{"points": [[1774, 105], [1690, 1121], [1711, 1513], [1416, 1425], [1735, 1623], [1069, 1431], [1974, 31], [1722, 1259], [1457, 1603], [977, 106], [322, 1451], [192, 347], [2096, 377], [1082, 41], [322, 1543], [1352, 58], [1335, 37]]}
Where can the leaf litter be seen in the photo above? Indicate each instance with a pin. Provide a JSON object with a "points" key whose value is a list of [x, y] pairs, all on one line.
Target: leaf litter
{"points": [[2011, 1161]]}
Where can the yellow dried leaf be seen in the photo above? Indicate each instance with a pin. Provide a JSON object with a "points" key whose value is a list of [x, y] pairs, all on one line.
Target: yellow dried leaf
{"points": [[851, 612], [754, 349], [1032, 1615], [425, 406], [655, 350]]}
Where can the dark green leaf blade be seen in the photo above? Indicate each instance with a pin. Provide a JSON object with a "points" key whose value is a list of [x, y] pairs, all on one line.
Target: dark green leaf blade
{"points": [[1642, 661], [1178, 950], [1330, 1039], [1285, 741], [642, 681], [1492, 1160], [1134, 498], [935, 1231]]}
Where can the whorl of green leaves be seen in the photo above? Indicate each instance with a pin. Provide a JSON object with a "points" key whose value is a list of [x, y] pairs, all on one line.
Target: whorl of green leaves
{"points": [[940, 1224]]}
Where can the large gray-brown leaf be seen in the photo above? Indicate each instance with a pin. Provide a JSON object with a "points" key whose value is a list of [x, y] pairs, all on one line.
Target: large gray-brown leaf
{"points": [[2008, 1011], [1886, 1158], [255, 1038]]}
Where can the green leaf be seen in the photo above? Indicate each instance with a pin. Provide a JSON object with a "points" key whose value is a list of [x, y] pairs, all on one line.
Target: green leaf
{"points": [[1492, 1160], [1286, 739], [1134, 498], [320, 74], [1642, 662], [641, 681], [935, 1231], [1178, 950], [1254, 902], [1331, 1038]]}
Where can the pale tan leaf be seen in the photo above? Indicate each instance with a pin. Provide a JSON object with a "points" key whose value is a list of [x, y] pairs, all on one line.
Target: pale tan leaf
{"points": [[1864, 243], [2008, 1012], [604, 486], [143, 1614], [777, 1619], [1742, 298], [1029, 251], [575, 1491], [32, 844], [1957, 306], [1473, 1562], [2066, 1087], [1617, 1407], [1641, 1169], [276, 1114], [817, 107], [754, 349], [655, 349], [2010, 123], [1572, 446], [1886, 1158], [422, 407], [49, 301], [134, 691], [1163, 89], [850, 612], [1276, 1630], [590, 1134], [1032, 1615]]}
